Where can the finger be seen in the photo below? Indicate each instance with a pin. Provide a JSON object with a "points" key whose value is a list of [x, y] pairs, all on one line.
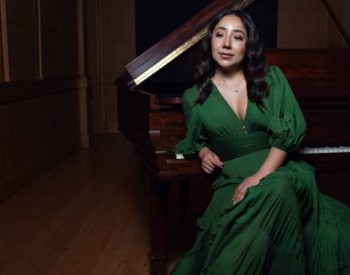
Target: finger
{"points": [[238, 199], [238, 195], [235, 196], [217, 162], [240, 188], [208, 168], [209, 164]]}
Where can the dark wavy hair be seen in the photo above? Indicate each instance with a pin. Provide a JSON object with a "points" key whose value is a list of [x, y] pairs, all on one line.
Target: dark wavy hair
{"points": [[254, 66]]}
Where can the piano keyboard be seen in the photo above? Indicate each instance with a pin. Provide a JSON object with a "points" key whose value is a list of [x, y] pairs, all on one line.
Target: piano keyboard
{"points": [[310, 151], [324, 150]]}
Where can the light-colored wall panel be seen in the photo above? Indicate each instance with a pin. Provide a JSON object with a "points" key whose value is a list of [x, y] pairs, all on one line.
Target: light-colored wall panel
{"points": [[118, 49], [117, 55], [111, 45], [118, 21], [306, 24]]}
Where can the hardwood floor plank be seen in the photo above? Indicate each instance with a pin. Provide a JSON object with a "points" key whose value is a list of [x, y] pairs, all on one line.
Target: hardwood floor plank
{"points": [[85, 216]]}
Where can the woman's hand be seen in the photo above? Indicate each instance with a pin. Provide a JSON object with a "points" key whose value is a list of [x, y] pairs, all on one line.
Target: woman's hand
{"points": [[241, 189], [275, 159], [210, 160]]}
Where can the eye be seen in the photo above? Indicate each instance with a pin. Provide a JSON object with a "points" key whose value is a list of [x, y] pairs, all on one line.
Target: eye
{"points": [[219, 34], [238, 37]]}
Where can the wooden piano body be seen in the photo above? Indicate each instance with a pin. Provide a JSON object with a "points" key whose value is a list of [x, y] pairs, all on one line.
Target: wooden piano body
{"points": [[150, 116]]}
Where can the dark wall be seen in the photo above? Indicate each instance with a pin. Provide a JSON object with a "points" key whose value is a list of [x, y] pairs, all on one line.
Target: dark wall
{"points": [[157, 18], [265, 13]]}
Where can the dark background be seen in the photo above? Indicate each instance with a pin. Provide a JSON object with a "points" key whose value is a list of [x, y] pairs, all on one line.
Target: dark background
{"points": [[155, 19]]}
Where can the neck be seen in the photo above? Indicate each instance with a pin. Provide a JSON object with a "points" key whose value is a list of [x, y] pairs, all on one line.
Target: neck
{"points": [[228, 76], [229, 79]]}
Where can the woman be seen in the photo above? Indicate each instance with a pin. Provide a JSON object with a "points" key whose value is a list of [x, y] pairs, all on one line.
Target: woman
{"points": [[266, 215]]}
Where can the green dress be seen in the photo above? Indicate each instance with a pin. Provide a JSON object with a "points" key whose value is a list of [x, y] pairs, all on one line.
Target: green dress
{"points": [[284, 225]]}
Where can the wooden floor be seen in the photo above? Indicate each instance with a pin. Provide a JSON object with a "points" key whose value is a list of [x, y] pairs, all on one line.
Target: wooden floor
{"points": [[87, 216]]}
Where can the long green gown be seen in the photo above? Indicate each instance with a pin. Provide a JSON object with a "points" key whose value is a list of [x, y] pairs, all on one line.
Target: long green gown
{"points": [[284, 225]]}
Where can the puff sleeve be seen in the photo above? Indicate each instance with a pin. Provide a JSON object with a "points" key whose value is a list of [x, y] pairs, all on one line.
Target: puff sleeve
{"points": [[287, 126], [194, 139]]}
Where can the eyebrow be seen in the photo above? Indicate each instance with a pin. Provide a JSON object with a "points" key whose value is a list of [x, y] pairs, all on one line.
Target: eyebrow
{"points": [[234, 30]]}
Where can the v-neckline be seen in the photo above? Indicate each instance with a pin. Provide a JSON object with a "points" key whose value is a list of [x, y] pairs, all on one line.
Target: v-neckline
{"points": [[244, 118]]}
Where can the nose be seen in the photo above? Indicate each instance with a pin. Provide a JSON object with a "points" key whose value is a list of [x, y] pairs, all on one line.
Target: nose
{"points": [[227, 43]]}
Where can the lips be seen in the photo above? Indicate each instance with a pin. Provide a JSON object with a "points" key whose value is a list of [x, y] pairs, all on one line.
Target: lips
{"points": [[225, 55]]}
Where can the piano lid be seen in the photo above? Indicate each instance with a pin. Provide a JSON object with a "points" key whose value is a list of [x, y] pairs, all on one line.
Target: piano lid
{"points": [[180, 40]]}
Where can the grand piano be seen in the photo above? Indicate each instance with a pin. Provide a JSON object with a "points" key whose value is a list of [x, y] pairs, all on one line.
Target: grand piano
{"points": [[150, 116]]}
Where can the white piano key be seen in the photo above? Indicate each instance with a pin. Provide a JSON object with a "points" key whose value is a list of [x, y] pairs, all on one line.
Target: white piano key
{"points": [[179, 156]]}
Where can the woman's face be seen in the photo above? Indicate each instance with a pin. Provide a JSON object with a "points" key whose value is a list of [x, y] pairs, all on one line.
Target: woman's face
{"points": [[228, 43]]}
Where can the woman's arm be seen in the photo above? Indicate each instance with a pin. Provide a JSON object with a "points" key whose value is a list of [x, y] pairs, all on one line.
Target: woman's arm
{"points": [[275, 159]]}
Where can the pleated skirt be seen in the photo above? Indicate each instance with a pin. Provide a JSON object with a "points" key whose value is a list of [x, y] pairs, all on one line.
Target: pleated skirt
{"points": [[283, 226]]}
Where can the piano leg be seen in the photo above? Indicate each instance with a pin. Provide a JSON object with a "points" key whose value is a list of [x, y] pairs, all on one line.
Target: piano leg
{"points": [[184, 195], [158, 198]]}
